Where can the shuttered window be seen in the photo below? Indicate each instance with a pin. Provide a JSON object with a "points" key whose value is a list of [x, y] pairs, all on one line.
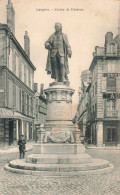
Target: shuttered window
{"points": [[111, 84], [110, 105]]}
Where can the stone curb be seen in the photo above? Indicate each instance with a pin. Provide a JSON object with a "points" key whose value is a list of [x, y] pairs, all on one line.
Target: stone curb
{"points": [[94, 165], [103, 148], [59, 174]]}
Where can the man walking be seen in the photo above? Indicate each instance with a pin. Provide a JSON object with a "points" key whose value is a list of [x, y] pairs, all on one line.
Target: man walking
{"points": [[21, 143]]}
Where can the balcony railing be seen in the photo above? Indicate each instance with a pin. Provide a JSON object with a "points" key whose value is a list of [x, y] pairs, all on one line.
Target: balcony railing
{"points": [[113, 113]]}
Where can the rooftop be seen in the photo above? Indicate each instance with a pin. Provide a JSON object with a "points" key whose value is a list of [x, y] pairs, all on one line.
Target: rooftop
{"points": [[12, 37]]}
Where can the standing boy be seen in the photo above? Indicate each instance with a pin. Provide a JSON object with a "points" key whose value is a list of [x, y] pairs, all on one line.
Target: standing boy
{"points": [[21, 143]]}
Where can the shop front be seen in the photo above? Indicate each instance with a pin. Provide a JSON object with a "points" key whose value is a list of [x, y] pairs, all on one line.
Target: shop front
{"points": [[111, 131], [12, 125]]}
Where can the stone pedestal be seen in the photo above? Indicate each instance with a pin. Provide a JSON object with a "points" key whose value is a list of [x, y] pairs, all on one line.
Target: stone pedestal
{"points": [[59, 127], [40, 134], [59, 151]]}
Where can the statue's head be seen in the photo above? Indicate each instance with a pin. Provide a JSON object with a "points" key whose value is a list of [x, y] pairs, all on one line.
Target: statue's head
{"points": [[58, 27]]}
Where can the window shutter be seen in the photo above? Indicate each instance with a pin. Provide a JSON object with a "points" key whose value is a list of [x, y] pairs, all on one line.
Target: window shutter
{"points": [[115, 48], [118, 83], [13, 62], [105, 107], [111, 84], [103, 84], [10, 59]]}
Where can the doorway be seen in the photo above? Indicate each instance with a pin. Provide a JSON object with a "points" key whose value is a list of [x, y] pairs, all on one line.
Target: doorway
{"points": [[111, 136], [11, 127]]}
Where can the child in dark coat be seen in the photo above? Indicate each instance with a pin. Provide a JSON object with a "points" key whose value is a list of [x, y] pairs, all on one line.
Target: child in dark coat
{"points": [[21, 143]]}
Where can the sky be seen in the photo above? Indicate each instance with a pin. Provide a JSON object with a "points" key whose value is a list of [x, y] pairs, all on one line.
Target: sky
{"points": [[84, 21]]}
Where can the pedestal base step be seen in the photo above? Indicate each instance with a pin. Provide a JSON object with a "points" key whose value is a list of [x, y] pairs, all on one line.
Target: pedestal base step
{"points": [[58, 158], [95, 165], [58, 148]]}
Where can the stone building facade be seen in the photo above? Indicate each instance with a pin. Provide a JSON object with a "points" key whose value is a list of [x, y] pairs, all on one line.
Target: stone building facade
{"points": [[83, 97], [16, 84], [103, 95], [40, 108]]}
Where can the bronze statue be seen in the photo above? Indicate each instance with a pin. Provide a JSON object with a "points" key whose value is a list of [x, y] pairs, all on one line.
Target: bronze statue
{"points": [[58, 52]]}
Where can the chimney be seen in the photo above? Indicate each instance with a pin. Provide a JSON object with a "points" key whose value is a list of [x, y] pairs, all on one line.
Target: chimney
{"points": [[108, 38], [27, 44], [35, 87], [41, 89], [10, 16]]}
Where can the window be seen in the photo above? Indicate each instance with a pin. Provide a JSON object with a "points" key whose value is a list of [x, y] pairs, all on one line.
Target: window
{"points": [[22, 72], [111, 48], [29, 78], [111, 84], [20, 69], [30, 106], [95, 88], [27, 104], [17, 66], [22, 101], [110, 109], [31, 81], [27, 82], [14, 94], [17, 97], [25, 74], [110, 105], [14, 63], [95, 107], [10, 93], [10, 59]]}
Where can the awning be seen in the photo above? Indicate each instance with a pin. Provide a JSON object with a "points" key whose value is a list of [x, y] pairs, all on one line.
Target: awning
{"points": [[8, 114]]}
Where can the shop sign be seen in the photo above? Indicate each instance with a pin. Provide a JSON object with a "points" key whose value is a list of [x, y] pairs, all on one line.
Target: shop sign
{"points": [[111, 96], [111, 74]]}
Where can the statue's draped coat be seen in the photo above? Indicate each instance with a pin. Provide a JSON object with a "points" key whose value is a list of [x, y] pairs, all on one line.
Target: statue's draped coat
{"points": [[49, 67]]}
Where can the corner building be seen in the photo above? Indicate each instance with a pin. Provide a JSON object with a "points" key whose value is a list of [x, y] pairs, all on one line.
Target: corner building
{"points": [[16, 84], [103, 121]]}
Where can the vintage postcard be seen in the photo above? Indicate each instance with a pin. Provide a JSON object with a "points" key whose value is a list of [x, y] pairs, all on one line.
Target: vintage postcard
{"points": [[60, 97]]}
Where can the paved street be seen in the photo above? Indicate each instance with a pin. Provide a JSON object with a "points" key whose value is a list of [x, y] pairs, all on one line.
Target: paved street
{"points": [[107, 184]]}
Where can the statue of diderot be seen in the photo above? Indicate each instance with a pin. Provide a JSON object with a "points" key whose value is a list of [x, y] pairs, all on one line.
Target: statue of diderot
{"points": [[58, 52]]}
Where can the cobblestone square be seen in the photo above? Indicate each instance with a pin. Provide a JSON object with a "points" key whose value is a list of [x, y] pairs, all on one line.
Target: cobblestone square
{"points": [[92, 184]]}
